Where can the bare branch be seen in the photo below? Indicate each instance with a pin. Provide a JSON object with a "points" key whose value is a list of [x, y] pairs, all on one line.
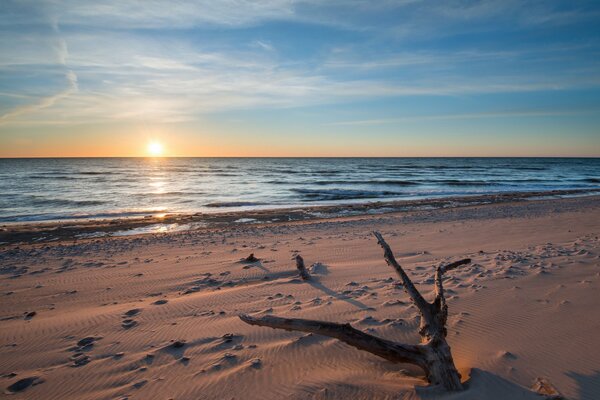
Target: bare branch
{"points": [[301, 268], [433, 355], [440, 300], [391, 351], [409, 287], [454, 265]]}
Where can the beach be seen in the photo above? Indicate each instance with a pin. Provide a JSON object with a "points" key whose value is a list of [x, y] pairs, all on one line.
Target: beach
{"points": [[156, 315], [292, 199]]}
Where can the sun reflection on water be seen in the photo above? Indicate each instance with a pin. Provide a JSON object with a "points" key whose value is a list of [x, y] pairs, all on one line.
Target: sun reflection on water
{"points": [[156, 228]]}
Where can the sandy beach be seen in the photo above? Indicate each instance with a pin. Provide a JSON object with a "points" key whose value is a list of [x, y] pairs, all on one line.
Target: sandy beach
{"points": [[299, 199], [156, 316]]}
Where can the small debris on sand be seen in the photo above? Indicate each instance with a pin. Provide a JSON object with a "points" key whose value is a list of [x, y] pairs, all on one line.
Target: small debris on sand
{"points": [[251, 258]]}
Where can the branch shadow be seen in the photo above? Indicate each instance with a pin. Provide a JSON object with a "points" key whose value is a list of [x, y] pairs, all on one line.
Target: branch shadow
{"points": [[588, 385], [260, 266], [318, 285]]}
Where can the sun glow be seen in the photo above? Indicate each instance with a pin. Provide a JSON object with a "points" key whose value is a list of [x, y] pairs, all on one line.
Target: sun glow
{"points": [[155, 149]]}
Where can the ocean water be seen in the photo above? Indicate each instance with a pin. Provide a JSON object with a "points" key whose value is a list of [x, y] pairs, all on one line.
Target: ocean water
{"points": [[57, 189]]}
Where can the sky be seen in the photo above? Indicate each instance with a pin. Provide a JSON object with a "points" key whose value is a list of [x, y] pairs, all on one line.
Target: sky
{"points": [[299, 78]]}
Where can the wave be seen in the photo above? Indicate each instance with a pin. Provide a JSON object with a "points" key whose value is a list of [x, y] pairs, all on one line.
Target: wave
{"points": [[340, 194], [96, 173], [391, 182], [55, 216], [169, 194], [459, 182], [43, 201], [57, 177], [526, 168], [424, 167], [279, 171], [234, 204], [177, 169], [404, 182], [457, 167]]}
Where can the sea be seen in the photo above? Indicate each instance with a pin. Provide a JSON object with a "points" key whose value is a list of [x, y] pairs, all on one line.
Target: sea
{"points": [[55, 189]]}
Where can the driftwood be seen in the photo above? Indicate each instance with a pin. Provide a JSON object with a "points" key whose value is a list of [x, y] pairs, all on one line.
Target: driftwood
{"points": [[251, 258], [543, 387], [301, 268], [432, 354]]}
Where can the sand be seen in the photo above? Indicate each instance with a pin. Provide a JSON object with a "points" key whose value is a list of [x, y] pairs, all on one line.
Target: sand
{"points": [[155, 316]]}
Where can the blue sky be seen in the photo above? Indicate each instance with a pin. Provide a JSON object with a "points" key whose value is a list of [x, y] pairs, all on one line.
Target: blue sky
{"points": [[294, 78]]}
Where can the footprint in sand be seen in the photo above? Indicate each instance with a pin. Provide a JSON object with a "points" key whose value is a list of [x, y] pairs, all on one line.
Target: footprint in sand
{"points": [[87, 342], [79, 358], [129, 322], [30, 315], [140, 384], [23, 384], [178, 344]]}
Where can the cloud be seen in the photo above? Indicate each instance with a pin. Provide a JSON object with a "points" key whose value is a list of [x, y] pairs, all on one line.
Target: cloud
{"points": [[58, 48], [263, 45], [44, 102], [172, 14], [481, 115], [171, 61]]}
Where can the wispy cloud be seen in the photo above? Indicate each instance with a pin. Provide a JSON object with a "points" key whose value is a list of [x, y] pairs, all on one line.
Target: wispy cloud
{"points": [[58, 47], [151, 60], [263, 45], [135, 14], [481, 115], [44, 102]]}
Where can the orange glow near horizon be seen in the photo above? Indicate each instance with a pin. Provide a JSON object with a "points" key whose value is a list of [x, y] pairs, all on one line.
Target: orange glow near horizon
{"points": [[161, 141]]}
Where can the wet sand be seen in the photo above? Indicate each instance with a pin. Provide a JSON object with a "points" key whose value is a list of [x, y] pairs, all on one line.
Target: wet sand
{"points": [[50, 231]]}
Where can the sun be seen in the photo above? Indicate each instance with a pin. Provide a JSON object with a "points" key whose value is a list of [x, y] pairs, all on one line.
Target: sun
{"points": [[155, 149]]}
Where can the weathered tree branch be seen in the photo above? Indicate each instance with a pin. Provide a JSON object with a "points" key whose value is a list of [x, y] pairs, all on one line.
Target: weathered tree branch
{"points": [[440, 299], [432, 355], [391, 351], [301, 268], [433, 315], [409, 287]]}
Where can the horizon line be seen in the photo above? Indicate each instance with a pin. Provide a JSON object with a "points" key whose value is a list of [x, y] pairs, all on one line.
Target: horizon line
{"points": [[288, 157]]}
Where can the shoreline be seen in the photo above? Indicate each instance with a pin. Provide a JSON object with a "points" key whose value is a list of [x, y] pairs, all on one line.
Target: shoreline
{"points": [[162, 223]]}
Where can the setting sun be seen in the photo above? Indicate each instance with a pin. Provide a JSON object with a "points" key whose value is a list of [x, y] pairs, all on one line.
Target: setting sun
{"points": [[155, 149]]}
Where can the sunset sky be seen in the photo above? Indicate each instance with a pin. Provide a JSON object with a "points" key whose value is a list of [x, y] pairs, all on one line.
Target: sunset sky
{"points": [[300, 78]]}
